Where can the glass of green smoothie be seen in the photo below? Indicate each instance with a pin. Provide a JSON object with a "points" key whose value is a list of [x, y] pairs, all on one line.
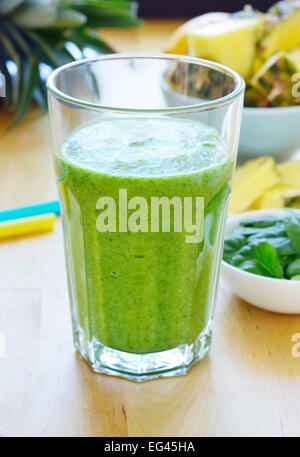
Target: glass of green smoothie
{"points": [[144, 152]]}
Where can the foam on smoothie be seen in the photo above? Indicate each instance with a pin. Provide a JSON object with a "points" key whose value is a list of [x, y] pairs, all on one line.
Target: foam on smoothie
{"points": [[145, 147]]}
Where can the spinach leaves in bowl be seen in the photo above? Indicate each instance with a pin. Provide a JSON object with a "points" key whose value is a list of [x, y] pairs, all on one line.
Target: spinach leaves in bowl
{"points": [[266, 246]]}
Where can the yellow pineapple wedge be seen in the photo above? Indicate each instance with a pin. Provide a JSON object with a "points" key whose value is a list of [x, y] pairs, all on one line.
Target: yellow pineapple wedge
{"points": [[290, 173], [232, 42], [251, 180], [279, 196], [284, 35], [178, 43]]}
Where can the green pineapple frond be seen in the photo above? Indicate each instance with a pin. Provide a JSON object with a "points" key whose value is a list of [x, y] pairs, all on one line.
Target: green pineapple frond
{"points": [[37, 36]]}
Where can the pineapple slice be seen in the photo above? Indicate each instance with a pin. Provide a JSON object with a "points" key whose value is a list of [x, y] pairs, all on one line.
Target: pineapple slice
{"points": [[251, 181], [284, 35], [178, 43], [231, 42], [295, 203], [253, 97], [274, 79], [278, 197], [290, 173], [294, 56], [254, 206]]}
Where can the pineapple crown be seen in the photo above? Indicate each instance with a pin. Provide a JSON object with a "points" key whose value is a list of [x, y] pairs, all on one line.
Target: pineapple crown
{"points": [[37, 36]]}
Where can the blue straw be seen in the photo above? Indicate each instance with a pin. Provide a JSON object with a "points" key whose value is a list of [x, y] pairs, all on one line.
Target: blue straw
{"points": [[32, 210]]}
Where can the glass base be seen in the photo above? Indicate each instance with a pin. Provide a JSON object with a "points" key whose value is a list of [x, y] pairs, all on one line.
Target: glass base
{"points": [[143, 367]]}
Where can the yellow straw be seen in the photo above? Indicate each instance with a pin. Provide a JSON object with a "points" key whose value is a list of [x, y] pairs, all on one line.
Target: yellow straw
{"points": [[27, 225]]}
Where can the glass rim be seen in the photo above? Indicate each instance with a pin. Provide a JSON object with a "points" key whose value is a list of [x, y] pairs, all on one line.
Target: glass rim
{"points": [[206, 105]]}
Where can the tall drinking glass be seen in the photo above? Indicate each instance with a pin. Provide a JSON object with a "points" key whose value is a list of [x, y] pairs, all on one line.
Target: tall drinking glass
{"points": [[144, 151]]}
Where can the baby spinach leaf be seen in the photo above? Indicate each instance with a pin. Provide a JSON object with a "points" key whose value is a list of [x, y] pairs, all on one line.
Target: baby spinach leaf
{"points": [[292, 225], [274, 231], [286, 260], [266, 256], [233, 242], [259, 222], [247, 231], [245, 253], [251, 266], [296, 278], [282, 245], [293, 268]]}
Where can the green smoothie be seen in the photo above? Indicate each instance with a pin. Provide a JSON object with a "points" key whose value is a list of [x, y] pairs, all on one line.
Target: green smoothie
{"points": [[141, 291]]}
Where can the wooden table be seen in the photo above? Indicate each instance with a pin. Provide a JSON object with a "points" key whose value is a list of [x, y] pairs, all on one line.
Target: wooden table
{"points": [[248, 386]]}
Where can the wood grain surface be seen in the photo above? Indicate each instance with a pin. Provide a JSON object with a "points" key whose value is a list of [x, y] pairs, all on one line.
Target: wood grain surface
{"points": [[248, 386]]}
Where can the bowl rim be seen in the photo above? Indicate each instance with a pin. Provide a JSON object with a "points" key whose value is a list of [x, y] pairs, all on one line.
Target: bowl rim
{"points": [[244, 215], [275, 110]]}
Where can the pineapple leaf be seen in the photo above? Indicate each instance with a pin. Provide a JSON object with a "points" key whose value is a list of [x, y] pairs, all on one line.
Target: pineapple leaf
{"points": [[29, 75], [47, 16], [68, 17], [40, 94], [34, 15], [37, 36], [7, 6], [18, 38], [109, 13], [11, 51], [88, 38], [8, 82], [50, 54]]}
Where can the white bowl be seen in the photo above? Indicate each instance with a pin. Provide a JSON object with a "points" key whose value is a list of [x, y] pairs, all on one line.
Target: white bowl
{"points": [[270, 131], [277, 295]]}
